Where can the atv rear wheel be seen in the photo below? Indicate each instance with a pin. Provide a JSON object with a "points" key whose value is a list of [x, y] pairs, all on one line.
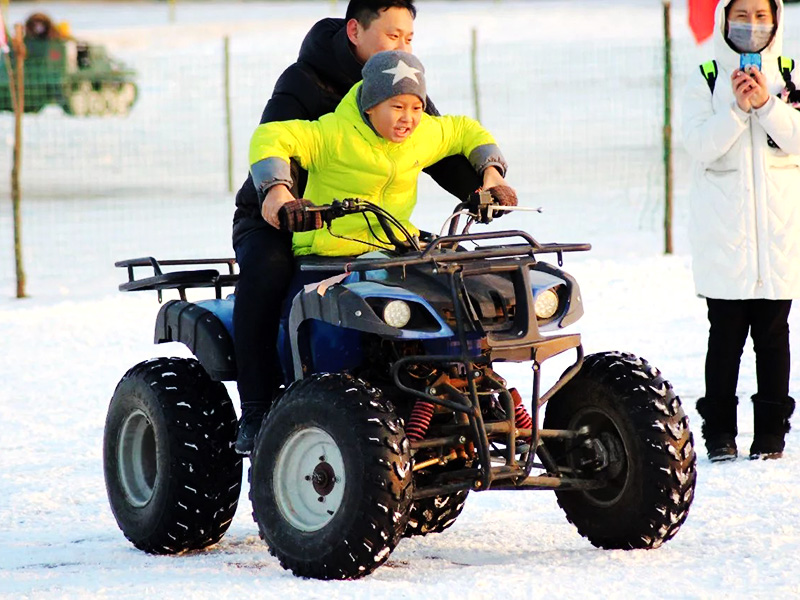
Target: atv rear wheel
{"points": [[639, 444], [172, 476], [331, 478]]}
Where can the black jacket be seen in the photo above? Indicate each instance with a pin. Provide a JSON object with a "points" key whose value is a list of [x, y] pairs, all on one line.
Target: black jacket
{"points": [[325, 71]]}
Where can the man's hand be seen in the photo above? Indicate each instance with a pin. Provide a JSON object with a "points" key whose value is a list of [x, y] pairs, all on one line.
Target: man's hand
{"points": [[750, 90], [293, 216], [502, 194], [492, 177], [276, 197]]}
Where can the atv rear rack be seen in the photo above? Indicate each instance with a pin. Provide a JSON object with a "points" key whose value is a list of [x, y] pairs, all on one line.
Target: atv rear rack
{"points": [[178, 280]]}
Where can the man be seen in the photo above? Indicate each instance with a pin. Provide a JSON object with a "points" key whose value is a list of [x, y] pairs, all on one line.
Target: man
{"points": [[329, 64]]}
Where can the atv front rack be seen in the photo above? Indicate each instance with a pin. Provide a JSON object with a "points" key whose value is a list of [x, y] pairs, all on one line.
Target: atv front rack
{"points": [[178, 280], [530, 248]]}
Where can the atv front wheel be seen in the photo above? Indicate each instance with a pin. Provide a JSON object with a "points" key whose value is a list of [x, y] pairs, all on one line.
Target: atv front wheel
{"points": [[637, 443], [435, 514], [331, 478], [172, 476]]}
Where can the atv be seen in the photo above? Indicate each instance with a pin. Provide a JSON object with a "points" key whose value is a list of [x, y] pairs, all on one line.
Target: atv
{"points": [[392, 412]]}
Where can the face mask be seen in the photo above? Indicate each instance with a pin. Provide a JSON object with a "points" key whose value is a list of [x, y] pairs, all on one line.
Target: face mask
{"points": [[749, 38]]}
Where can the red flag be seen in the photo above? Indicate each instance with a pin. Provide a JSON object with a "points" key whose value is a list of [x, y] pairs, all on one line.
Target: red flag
{"points": [[701, 18], [3, 39]]}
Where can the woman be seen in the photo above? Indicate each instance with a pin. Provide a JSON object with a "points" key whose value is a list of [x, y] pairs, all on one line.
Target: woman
{"points": [[745, 222]]}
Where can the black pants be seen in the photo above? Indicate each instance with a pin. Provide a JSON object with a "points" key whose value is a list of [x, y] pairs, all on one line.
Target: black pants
{"points": [[767, 323], [266, 267]]}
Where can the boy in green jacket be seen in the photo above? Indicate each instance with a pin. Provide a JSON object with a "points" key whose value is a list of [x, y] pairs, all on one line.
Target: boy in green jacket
{"points": [[373, 146]]}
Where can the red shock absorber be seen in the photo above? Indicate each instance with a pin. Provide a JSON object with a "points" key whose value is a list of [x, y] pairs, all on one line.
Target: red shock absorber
{"points": [[522, 420], [420, 419]]}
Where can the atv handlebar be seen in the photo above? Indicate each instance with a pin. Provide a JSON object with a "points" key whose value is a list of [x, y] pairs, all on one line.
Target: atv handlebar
{"points": [[479, 207]]}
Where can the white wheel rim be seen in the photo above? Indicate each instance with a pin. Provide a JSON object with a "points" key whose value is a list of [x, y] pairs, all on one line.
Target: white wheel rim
{"points": [[137, 464], [110, 95], [79, 99], [309, 479], [97, 104], [127, 94]]}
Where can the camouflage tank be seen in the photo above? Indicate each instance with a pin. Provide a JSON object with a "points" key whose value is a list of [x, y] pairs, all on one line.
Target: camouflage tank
{"points": [[79, 77]]}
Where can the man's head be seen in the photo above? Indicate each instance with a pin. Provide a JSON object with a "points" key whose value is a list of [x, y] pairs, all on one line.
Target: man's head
{"points": [[393, 94], [377, 25]]}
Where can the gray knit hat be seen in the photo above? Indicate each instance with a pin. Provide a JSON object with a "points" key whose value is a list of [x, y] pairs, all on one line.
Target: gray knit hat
{"points": [[391, 73]]}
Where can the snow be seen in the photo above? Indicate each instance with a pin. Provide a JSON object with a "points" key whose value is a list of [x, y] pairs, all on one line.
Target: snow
{"points": [[66, 347]]}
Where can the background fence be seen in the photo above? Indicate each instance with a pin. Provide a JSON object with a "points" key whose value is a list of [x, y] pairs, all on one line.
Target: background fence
{"points": [[577, 116]]}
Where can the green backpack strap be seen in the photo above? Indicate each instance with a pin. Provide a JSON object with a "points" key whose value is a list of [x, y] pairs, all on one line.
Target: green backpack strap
{"points": [[709, 71], [786, 66]]}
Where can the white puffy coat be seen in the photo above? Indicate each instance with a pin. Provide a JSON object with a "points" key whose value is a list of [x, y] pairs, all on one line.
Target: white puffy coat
{"points": [[745, 196]]}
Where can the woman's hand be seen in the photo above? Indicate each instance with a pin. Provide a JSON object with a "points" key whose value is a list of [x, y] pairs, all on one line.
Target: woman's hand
{"points": [[750, 90], [277, 196], [761, 94]]}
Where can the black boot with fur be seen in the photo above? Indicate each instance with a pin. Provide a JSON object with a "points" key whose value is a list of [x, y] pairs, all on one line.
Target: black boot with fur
{"points": [[770, 426], [719, 427]]}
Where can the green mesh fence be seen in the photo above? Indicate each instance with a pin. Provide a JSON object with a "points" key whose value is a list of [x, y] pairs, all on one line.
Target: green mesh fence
{"points": [[130, 146]]}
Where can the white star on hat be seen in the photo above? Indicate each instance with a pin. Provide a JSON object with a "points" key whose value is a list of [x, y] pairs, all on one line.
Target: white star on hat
{"points": [[401, 71]]}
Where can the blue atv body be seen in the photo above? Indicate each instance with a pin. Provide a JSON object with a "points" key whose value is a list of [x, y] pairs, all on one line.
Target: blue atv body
{"points": [[393, 411]]}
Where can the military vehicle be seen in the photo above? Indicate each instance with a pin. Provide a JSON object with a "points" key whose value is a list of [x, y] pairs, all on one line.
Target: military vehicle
{"points": [[78, 76]]}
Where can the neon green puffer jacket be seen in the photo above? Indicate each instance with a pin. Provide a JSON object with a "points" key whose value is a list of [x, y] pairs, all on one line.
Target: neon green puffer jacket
{"points": [[345, 158]]}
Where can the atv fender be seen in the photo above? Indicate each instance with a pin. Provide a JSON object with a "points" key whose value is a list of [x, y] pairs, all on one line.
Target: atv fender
{"points": [[203, 332]]}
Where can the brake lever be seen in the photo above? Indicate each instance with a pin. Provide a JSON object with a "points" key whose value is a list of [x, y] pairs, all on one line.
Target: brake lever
{"points": [[336, 209]]}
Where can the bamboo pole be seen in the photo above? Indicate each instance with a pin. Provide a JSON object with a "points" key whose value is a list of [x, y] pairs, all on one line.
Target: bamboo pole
{"points": [[17, 89], [228, 120], [474, 68], [667, 129]]}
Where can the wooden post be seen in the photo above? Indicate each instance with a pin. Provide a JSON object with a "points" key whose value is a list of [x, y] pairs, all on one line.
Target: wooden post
{"points": [[667, 130], [171, 10], [228, 124], [17, 89], [476, 93]]}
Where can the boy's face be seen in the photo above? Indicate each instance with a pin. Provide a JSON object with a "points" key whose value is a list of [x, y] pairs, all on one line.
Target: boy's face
{"points": [[392, 30], [396, 119]]}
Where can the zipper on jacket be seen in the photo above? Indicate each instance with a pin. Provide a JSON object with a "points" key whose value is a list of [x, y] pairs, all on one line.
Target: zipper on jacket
{"points": [[759, 283], [389, 180]]}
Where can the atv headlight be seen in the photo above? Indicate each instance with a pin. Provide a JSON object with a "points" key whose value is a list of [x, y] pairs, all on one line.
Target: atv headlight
{"points": [[397, 313], [546, 304]]}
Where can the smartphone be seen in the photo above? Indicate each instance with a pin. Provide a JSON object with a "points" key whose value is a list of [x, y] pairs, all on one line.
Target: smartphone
{"points": [[749, 59]]}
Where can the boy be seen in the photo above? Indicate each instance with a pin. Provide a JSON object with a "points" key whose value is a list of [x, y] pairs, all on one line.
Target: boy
{"points": [[373, 146]]}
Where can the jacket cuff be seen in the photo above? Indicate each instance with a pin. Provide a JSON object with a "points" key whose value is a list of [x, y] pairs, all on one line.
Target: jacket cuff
{"points": [[739, 113], [488, 155], [270, 172], [766, 109]]}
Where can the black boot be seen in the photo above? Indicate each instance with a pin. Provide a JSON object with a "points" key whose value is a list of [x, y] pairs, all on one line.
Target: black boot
{"points": [[770, 426], [249, 425], [719, 427]]}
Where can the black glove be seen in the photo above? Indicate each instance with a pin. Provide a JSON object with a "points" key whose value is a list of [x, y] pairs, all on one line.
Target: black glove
{"points": [[294, 217], [503, 195]]}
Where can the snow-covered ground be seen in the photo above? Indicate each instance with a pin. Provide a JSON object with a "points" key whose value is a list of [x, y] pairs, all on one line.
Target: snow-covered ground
{"points": [[65, 348]]}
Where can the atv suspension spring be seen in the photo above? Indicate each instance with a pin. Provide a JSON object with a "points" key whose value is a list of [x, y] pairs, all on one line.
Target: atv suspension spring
{"points": [[522, 420], [420, 420]]}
